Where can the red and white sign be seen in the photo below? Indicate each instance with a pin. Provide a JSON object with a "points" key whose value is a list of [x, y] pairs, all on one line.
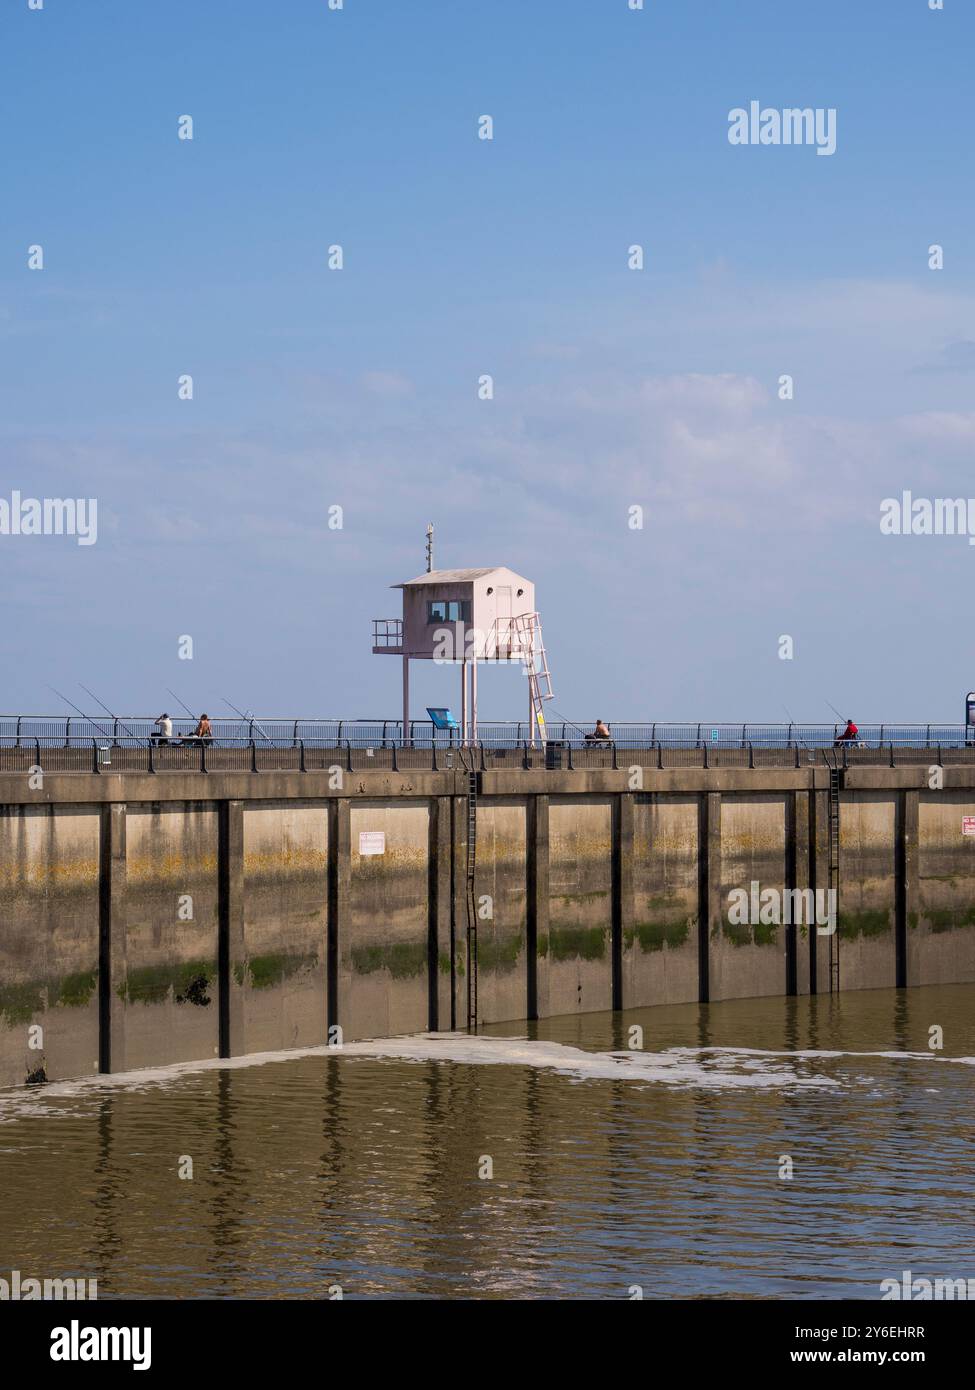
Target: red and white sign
{"points": [[968, 825], [374, 841]]}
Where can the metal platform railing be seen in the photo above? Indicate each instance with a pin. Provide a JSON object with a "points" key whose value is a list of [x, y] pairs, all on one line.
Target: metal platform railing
{"points": [[131, 754], [77, 731]]}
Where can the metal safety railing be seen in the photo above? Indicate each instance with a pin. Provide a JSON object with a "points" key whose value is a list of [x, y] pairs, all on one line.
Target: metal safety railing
{"points": [[74, 731], [387, 634], [129, 754]]}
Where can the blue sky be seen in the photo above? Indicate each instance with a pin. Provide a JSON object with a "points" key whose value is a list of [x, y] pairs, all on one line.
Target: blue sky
{"points": [[613, 387]]}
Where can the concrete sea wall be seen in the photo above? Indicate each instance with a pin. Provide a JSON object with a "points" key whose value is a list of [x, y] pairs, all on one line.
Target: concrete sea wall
{"points": [[49, 940], [150, 919], [281, 969]]}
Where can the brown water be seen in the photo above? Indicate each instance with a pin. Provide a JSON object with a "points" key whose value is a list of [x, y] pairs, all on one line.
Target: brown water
{"points": [[657, 1168]]}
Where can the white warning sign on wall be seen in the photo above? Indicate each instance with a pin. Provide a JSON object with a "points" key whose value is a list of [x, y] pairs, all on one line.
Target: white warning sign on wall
{"points": [[374, 841], [968, 825]]}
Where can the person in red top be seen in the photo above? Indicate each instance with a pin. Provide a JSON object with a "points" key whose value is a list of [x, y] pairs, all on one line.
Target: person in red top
{"points": [[849, 733]]}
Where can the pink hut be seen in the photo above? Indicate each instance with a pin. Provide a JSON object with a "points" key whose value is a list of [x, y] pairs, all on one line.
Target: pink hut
{"points": [[463, 618]]}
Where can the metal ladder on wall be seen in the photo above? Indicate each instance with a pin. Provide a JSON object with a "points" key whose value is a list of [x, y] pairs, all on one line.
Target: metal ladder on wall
{"points": [[834, 868], [471, 897], [528, 627]]}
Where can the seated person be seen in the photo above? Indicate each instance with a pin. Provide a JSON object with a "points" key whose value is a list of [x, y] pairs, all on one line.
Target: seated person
{"points": [[848, 735], [203, 733], [163, 732], [600, 734]]}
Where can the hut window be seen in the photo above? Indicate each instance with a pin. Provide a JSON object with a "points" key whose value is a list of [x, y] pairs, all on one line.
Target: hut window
{"points": [[448, 610]]}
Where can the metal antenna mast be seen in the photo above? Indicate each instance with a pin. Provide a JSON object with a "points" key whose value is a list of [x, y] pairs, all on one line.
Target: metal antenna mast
{"points": [[429, 547]]}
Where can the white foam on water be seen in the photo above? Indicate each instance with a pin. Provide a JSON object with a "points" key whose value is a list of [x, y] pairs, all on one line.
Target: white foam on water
{"points": [[823, 1052], [671, 1067], [710, 1068], [36, 1100]]}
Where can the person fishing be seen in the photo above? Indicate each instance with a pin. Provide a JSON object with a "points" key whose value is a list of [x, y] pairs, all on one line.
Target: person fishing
{"points": [[848, 735], [163, 732], [600, 734], [203, 731]]}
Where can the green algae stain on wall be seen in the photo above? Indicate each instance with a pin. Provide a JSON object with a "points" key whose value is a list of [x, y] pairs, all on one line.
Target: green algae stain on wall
{"points": [[738, 933], [261, 972], [500, 956], [875, 922], [654, 936], [744, 934], [189, 982], [747, 933], [403, 959], [948, 918], [578, 943], [75, 991], [19, 1003]]}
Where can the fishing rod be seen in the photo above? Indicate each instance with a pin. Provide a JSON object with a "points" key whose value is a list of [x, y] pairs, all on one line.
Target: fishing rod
{"points": [[568, 721], [797, 728], [180, 702], [243, 721], [837, 713], [105, 707], [91, 721], [247, 717]]}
